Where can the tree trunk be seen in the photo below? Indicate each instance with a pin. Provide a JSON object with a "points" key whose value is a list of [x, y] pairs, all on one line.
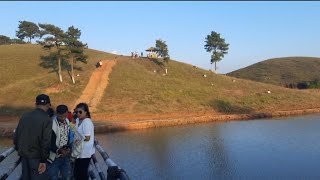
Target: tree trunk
{"points": [[166, 71], [73, 81], [59, 69], [215, 66]]}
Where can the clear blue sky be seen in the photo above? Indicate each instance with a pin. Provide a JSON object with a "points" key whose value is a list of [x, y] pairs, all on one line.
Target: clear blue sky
{"points": [[256, 31]]}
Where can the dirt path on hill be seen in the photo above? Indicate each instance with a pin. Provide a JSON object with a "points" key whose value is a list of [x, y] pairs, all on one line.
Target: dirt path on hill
{"points": [[98, 82]]}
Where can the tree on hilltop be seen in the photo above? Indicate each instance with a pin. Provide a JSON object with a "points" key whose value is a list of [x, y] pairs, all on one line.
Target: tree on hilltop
{"points": [[216, 45], [17, 41], [28, 30], [75, 48], [54, 38], [4, 40], [162, 51]]}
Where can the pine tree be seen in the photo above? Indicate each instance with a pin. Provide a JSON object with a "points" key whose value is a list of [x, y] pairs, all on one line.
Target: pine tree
{"points": [[54, 37], [75, 48], [218, 47], [162, 51], [28, 30]]}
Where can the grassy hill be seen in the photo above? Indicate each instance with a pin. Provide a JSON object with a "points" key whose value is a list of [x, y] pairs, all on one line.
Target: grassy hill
{"points": [[135, 88], [281, 71], [138, 86], [22, 78]]}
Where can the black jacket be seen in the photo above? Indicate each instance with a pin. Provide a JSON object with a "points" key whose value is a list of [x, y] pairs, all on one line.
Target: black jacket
{"points": [[33, 135]]}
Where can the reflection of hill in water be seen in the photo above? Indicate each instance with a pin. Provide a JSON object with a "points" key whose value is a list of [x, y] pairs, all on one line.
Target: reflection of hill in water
{"points": [[283, 148]]}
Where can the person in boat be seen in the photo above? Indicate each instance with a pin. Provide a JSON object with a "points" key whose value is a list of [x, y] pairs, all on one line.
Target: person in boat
{"points": [[84, 142], [32, 139], [61, 143]]}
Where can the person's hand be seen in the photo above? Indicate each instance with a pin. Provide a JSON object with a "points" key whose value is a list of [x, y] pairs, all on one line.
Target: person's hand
{"points": [[77, 141], [64, 151], [42, 168]]}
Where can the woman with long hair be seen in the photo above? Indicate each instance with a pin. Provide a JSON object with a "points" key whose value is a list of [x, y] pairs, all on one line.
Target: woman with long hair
{"points": [[85, 129]]}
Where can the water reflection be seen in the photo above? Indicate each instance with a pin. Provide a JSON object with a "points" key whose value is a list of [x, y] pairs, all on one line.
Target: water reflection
{"points": [[166, 153], [285, 148], [216, 150]]}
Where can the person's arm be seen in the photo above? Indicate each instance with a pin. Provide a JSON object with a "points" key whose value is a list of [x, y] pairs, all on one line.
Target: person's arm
{"points": [[46, 140], [53, 145], [16, 135], [70, 136], [87, 130]]}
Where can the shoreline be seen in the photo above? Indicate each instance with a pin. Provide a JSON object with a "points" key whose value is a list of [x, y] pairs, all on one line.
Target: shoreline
{"points": [[105, 125], [146, 124]]}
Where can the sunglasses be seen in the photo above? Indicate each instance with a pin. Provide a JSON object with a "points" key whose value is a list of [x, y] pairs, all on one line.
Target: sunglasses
{"points": [[80, 112]]}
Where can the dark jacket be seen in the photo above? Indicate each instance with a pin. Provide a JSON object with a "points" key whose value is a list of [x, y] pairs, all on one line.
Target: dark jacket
{"points": [[32, 137]]}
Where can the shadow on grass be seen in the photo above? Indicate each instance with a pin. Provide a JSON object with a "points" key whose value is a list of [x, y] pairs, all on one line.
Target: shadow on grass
{"points": [[50, 62], [14, 111], [155, 60], [227, 107]]}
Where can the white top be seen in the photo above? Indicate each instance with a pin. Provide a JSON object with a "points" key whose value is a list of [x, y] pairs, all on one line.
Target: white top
{"points": [[86, 128]]}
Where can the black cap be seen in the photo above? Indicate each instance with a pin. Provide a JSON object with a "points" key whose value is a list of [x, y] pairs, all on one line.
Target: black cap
{"points": [[42, 99]]}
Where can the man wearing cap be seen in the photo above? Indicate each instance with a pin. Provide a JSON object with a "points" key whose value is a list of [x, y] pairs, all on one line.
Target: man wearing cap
{"points": [[32, 139]]}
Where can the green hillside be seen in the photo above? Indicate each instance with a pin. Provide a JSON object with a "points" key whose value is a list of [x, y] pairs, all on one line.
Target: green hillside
{"points": [[139, 86], [281, 71], [22, 78], [135, 88]]}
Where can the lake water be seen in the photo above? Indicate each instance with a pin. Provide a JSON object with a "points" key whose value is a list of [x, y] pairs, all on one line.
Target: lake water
{"points": [[284, 148]]}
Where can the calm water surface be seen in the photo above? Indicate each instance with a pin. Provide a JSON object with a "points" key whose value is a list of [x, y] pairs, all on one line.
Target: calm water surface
{"points": [[286, 148]]}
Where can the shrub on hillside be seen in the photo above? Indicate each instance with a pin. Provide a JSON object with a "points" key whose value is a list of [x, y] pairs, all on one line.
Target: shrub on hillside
{"points": [[4, 40], [17, 41], [315, 84]]}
